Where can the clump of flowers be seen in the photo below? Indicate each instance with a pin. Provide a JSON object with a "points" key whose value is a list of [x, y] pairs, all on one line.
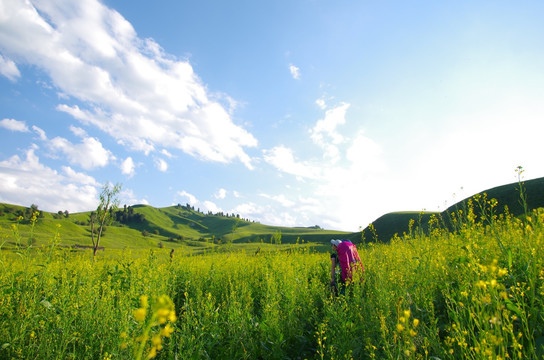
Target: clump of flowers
{"points": [[405, 332], [153, 324]]}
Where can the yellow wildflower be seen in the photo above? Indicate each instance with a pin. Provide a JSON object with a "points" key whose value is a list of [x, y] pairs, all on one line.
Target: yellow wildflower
{"points": [[144, 303], [140, 314], [167, 330]]}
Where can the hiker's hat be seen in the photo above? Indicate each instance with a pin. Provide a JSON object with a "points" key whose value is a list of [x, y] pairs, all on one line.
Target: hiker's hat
{"points": [[336, 242]]}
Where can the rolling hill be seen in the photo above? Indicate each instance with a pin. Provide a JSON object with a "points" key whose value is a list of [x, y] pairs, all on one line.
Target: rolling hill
{"points": [[508, 195], [144, 226]]}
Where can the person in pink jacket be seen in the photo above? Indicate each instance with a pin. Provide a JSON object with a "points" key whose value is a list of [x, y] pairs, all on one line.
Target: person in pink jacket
{"points": [[344, 254]]}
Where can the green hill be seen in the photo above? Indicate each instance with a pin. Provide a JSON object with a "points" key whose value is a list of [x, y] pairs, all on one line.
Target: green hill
{"points": [[144, 226], [508, 195]]}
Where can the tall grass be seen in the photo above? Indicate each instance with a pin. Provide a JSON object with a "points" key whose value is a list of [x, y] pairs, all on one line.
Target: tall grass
{"points": [[476, 293]]}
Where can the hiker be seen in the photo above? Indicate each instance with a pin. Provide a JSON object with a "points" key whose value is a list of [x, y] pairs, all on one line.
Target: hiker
{"points": [[344, 253]]}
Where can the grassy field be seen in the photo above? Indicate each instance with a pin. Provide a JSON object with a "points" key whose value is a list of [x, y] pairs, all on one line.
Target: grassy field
{"points": [[472, 291]]}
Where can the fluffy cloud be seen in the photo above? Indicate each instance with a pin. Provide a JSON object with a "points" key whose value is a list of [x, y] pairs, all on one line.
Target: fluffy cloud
{"points": [[265, 214], [221, 194], [9, 69], [283, 159], [127, 197], [25, 181], [282, 199], [88, 154], [190, 198], [161, 165], [325, 132], [325, 129], [128, 167], [250, 210], [40, 133], [14, 125], [211, 206], [295, 71], [321, 103], [122, 84]]}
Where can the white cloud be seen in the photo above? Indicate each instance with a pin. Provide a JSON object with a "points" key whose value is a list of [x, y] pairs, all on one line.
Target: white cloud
{"points": [[249, 210], [321, 103], [126, 86], [161, 164], [326, 135], [88, 154], [128, 167], [9, 69], [282, 199], [295, 71], [14, 125], [40, 132], [77, 131], [279, 219], [221, 194], [210, 206], [166, 153], [25, 181], [325, 130], [128, 197], [283, 159], [265, 214], [79, 177], [268, 214], [191, 199]]}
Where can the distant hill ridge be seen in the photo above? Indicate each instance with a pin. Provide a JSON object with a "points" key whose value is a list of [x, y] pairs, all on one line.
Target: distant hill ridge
{"points": [[147, 226], [508, 195]]}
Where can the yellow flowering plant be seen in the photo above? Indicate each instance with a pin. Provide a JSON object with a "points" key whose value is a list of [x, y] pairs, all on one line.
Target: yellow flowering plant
{"points": [[153, 324]]}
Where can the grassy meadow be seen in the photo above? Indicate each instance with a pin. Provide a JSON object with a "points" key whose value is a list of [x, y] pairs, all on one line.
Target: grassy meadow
{"points": [[473, 291]]}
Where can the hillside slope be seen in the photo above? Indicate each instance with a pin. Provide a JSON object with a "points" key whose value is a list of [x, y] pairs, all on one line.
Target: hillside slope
{"points": [[508, 195], [144, 226], [141, 226]]}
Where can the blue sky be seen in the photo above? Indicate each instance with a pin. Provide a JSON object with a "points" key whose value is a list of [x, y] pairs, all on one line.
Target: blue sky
{"points": [[294, 113]]}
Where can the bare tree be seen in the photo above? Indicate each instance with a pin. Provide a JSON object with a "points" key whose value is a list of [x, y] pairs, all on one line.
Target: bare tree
{"points": [[102, 216]]}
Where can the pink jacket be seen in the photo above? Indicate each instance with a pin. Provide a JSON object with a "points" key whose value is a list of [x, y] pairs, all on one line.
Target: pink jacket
{"points": [[349, 259]]}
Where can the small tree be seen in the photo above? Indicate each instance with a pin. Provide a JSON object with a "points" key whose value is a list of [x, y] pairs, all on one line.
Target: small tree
{"points": [[102, 216], [276, 238]]}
